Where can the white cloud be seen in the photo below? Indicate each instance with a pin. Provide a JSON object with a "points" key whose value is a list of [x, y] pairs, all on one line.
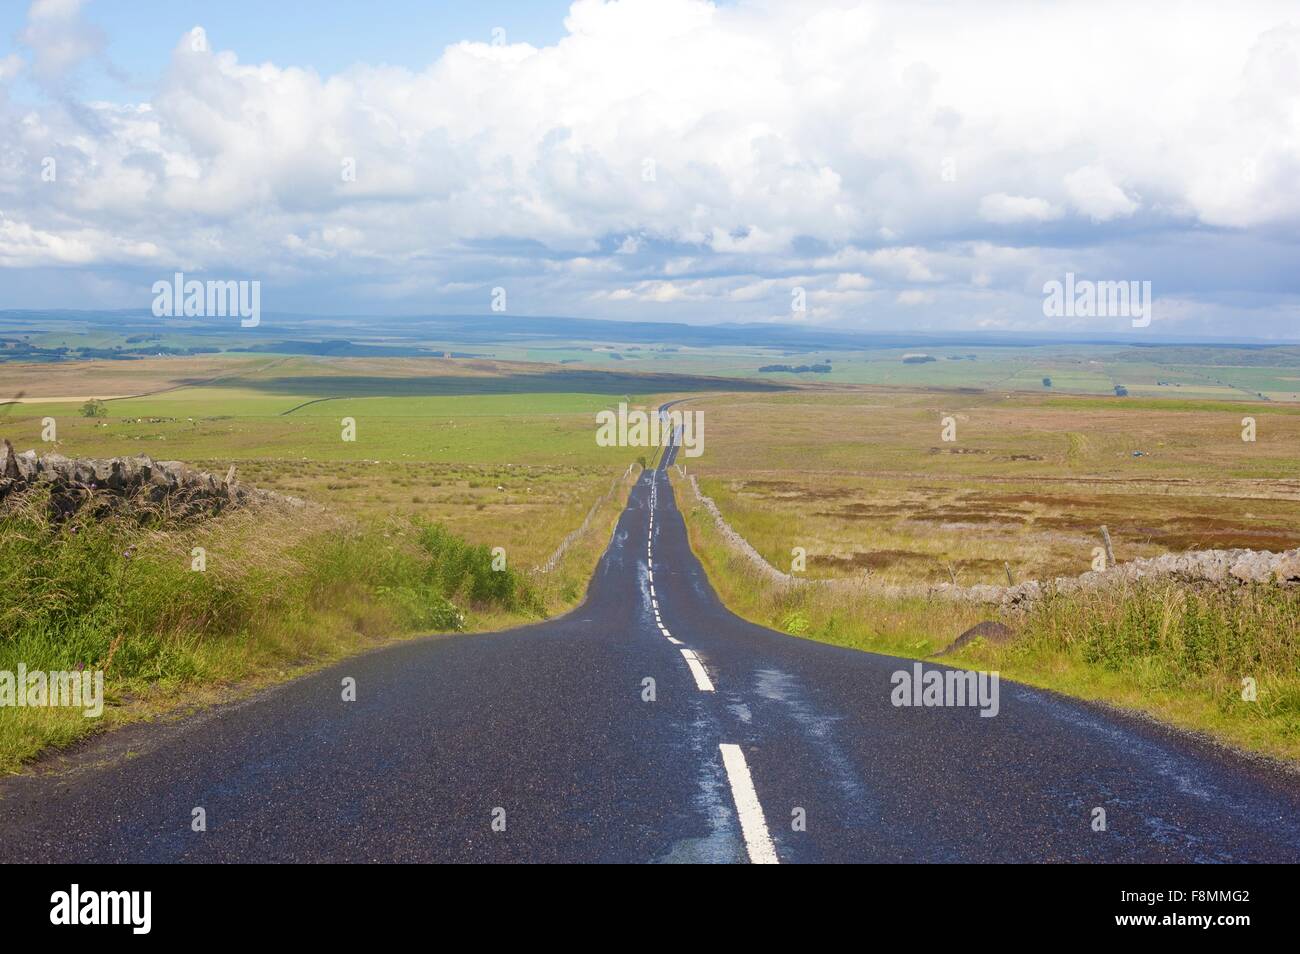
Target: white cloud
{"points": [[58, 38], [23, 246], [1095, 195], [11, 66], [849, 281], [1003, 209], [915, 297], [770, 130]]}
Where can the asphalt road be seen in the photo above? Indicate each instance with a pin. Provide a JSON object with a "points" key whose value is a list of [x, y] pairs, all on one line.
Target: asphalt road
{"points": [[537, 744]]}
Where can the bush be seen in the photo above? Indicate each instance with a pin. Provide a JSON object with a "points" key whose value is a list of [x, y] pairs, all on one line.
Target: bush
{"points": [[94, 590], [1226, 630], [459, 569]]}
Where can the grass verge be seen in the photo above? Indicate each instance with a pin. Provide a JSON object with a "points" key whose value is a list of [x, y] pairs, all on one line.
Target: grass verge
{"points": [[566, 585]]}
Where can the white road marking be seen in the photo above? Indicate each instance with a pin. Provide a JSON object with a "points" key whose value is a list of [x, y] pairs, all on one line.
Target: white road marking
{"points": [[698, 671], [757, 841], [701, 675]]}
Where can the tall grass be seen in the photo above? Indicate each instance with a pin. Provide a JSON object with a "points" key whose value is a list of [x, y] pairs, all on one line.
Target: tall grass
{"points": [[283, 587], [1187, 653], [1227, 631]]}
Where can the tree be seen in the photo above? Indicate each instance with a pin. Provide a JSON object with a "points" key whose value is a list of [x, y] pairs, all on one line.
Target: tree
{"points": [[94, 408]]}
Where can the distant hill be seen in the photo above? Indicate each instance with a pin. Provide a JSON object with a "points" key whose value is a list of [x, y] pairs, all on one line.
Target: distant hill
{"points": [[394, 336]]}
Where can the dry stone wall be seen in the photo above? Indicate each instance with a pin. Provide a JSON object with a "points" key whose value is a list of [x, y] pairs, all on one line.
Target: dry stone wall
{"points": [[108, 484], [1215, 566]]}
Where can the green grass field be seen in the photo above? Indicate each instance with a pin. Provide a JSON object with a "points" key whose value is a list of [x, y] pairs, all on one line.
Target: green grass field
{"points": [[502, 467]]}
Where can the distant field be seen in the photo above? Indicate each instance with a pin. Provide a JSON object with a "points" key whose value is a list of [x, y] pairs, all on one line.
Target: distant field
{"points": [[78, 380], [862, 480], [409, 347], [513, 469], [1083, 369]]}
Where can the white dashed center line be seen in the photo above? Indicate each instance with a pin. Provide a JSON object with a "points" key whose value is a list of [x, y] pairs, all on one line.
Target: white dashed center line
{"points": [[702, 680], [757, 841]]}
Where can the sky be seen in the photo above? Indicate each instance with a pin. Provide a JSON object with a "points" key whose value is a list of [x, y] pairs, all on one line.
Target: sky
{"points": [[869, 166]]}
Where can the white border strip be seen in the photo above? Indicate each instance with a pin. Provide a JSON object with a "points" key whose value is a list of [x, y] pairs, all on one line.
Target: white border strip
{"points": [[757, 841], [698, 671]]}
